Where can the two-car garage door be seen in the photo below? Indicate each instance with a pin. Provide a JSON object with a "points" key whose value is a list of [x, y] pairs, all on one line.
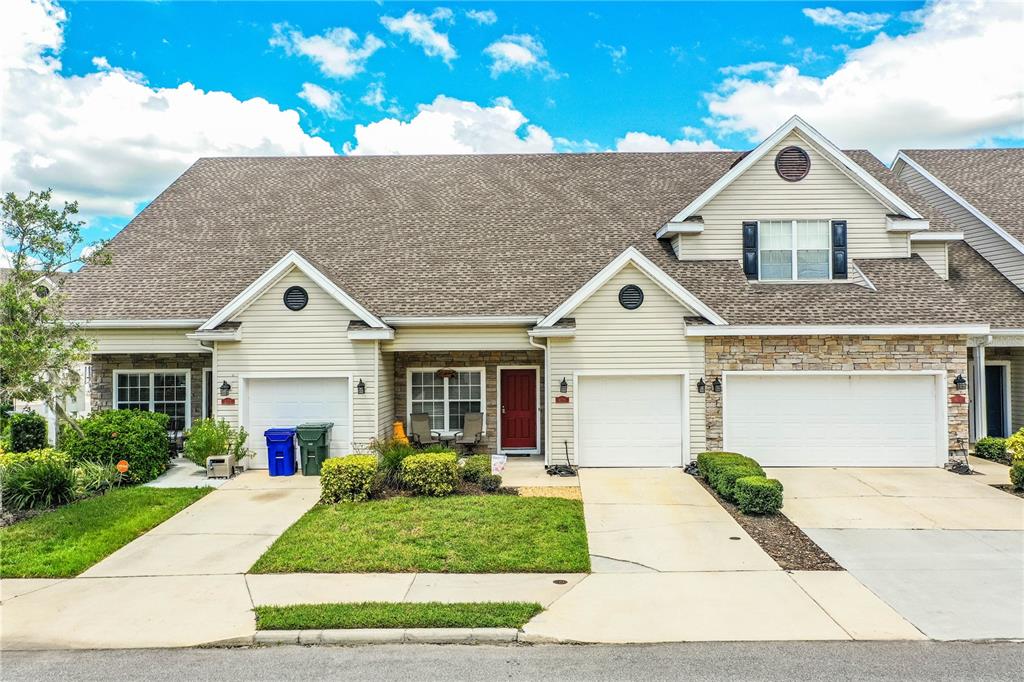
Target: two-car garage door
{"points": [[290, 402], [807, 419]]}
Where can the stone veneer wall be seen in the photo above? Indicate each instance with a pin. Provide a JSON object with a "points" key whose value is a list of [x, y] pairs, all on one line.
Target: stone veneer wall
{"points": [[489, 360], [847, 353], [101, 390]]}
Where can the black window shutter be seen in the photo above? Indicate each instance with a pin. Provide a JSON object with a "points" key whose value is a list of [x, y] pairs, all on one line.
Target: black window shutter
{"points": [[839, 259], [750, 248]]}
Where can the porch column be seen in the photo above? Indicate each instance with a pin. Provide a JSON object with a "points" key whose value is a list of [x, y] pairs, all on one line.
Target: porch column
{"points": [[980, 413]]}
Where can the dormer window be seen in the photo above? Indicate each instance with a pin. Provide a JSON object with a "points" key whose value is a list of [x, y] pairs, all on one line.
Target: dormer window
{"points": [[794, 250]]}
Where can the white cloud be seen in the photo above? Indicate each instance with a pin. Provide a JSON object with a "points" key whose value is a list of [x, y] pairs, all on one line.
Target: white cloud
{"points": [[420, 30], [617, 53], [851, 22], [453, 126], [645, 142], [954, 81], [747, 69], [519, 52], [327, 102], [108, 139], [376, 97], [482, 16], [337, 52]]}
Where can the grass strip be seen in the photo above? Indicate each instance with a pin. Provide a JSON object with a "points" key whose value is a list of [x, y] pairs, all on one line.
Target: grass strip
{"points": [[396, 615]]}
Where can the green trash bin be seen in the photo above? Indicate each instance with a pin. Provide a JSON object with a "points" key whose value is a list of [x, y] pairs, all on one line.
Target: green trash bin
{"points": [[314, 445]]}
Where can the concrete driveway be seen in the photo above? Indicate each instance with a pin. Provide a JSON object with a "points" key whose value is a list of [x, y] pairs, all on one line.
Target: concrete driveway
{"points": [[945, 551]]}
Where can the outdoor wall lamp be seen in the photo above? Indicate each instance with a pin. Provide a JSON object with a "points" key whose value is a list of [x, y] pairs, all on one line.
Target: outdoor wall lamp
{"points": [[225, 388], [564, 386], [960, 382], [360, 387], [701, 386], [716, 385]]}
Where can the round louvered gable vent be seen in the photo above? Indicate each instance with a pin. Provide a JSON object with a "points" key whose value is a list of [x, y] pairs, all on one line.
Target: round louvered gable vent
{"points": [[631, 296], [792, 164], [295, 298]]}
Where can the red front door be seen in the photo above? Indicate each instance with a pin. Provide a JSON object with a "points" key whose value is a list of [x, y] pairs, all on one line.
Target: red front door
{"points": [[518, 409]]}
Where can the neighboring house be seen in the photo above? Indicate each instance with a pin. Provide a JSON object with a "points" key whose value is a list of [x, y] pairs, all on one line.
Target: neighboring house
{"points": [[982, 192], [610, 309]]}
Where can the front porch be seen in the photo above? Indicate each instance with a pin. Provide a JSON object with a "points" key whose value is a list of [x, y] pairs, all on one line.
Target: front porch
{"points": [[997, 393]]}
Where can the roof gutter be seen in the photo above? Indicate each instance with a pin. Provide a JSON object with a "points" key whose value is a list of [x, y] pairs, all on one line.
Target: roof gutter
{"points": [[137, 324], [467, 321], [837, 330]]}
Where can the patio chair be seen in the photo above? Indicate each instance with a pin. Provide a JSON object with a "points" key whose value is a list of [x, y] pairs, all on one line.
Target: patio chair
{"points": [[472, 431], [419, 430]]}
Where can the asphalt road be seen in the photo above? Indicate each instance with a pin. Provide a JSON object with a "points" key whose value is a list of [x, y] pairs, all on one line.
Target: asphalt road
{"points": [[697, 661]]}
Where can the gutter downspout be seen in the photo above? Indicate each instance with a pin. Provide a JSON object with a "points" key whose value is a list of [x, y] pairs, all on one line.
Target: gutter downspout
{"points": [[547, 397]]}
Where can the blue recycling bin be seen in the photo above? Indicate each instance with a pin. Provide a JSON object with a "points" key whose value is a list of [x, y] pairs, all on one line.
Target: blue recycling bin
{"points": [[280, 451]]}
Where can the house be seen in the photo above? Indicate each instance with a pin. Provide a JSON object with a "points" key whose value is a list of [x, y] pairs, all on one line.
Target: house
{"points": [[982, 192], [795, 302]]}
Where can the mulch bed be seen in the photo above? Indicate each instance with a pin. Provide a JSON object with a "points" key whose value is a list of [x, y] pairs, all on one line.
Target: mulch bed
{"points": [[463, 488], [780, 538], [1006, 488]]}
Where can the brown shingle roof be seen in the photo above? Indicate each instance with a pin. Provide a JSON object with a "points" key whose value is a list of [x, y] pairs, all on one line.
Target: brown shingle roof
{"points": [[992, 180], [455, 235], [937, 221], [985, 289]]}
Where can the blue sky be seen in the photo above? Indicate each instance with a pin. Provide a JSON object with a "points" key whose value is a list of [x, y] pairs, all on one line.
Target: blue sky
{"points": [[108, 102]]}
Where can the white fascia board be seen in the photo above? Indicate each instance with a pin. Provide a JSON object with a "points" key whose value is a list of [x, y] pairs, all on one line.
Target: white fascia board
{"points": [[549, 332], [216, 335], [632, 255], [937, 237], [796, 123], [466, 321], [688, 227], [836, 330], [1013, 241], [895, 224], [136, 324], [386, 334], [279, 270]]}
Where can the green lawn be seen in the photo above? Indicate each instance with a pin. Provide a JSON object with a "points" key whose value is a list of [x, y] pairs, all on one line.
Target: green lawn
{"points": [[389, 615], [64, 542], [461, 534]]}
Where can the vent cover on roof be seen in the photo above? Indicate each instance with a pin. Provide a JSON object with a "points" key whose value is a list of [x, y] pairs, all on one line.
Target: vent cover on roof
{"points": [[631, 296], [792, 164], [295, 298]]}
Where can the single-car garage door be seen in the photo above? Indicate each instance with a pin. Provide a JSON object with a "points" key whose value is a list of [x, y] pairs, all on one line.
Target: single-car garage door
{"points": [[805, 419], [630, 421], [290, 402]]}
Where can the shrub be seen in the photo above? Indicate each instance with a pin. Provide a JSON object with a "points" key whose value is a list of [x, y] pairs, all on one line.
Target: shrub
{"points": [[28, 431], [390, 455], [475, 467], [8, 459], [212, 438], [490, 482], [758, 495], [1017, 474], [435, 447], [347, 479], [992, 448], [92, 478], [722, 469], [706, 461], [37, 483], [140, 438], [1015, 446], [431, 473]]}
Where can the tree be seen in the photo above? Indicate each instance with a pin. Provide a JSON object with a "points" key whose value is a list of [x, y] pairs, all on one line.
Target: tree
{"points": [[39, 350]]}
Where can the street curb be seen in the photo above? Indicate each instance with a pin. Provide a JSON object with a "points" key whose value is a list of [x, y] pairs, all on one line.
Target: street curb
{"points": [[376, 636]]}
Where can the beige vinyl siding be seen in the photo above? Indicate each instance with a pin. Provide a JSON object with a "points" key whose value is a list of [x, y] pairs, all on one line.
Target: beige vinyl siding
{"points": [[935, 254], [143, 341], [301, 343], [609, 337], [458, 338], [825, 194], [386, 395], [977, 234], [1017, 389]]}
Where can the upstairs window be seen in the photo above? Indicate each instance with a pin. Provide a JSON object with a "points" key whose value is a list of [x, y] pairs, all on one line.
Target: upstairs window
{"points": [[794, 250]]}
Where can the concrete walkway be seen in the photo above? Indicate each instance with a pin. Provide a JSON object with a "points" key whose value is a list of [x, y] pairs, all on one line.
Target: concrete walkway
{"points": [[185, 474], [671, 565]]}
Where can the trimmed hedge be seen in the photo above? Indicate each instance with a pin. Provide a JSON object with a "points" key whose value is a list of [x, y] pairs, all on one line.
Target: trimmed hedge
{"points": [[1017, 474], [490, 482], [28, 431], [758, 495], [347, 479], [475, 467], [992, 448], [433, 473], [1015, 446], [138, 437]]}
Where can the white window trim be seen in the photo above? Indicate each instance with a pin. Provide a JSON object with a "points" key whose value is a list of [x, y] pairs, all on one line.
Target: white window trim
{"points": [[535, 450], [151, 372], [1007, 389], [794, 248], [483, 394]]}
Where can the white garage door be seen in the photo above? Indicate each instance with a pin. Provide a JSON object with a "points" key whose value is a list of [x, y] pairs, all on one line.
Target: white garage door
{"points": [[290, 402], [630, 421], [865, 420]]}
